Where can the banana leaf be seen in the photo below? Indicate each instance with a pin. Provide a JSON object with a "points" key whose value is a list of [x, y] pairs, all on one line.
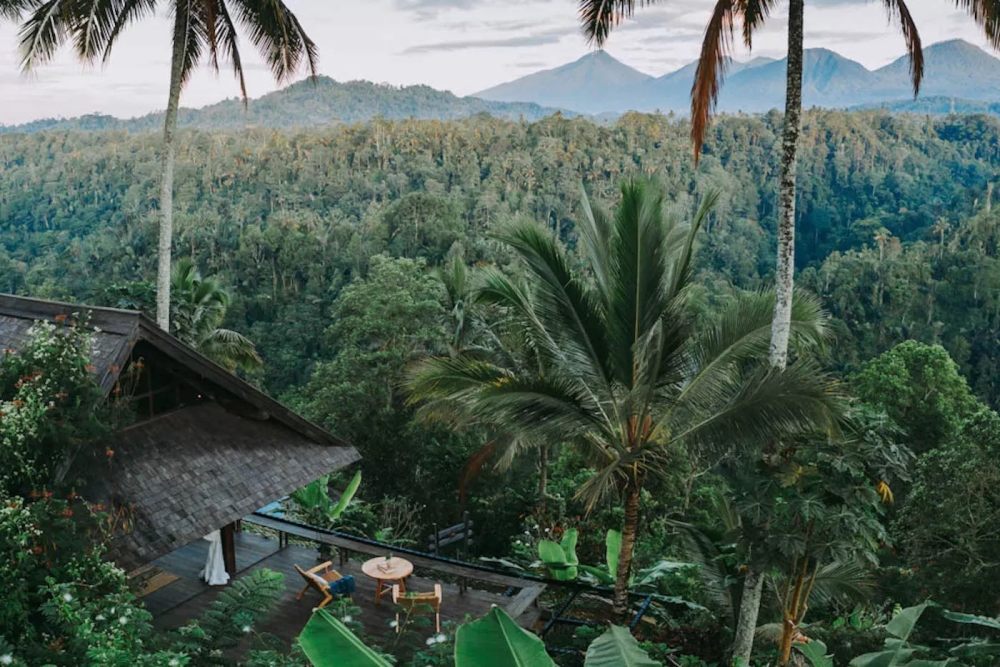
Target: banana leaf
{"points": [[613, 551], [815, 653], [617, 648], [345, 497], [327, 642], [560, 558], [496, 640]]}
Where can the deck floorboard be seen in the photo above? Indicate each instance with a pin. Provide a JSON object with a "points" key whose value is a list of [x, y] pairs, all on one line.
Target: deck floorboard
{"points": [[186, 598]]}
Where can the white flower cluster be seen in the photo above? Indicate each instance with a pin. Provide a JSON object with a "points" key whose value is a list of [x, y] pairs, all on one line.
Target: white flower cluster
{"points": [[436, 639]]}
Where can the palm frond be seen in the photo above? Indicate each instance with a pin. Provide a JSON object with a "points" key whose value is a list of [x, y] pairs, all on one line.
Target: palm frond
{"points": [[599, 17], [129, 12], [840, 582], [231, 349], [680, 273], [564, 303], [755, 12], [762, 405], [44, 31], [278, 36], [14, 10], [715, 50], [899, 11], [229, 45], [595, 232], [189, 33], [986, 14]]}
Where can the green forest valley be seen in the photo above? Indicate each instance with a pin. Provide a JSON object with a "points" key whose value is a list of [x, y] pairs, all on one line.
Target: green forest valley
{"points": [[561, 329]]}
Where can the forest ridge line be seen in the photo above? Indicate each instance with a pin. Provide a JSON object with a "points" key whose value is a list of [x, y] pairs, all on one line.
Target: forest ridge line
{"points": [[960, 78]]}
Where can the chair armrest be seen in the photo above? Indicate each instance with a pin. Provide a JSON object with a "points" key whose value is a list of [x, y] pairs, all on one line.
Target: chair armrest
{"points": [[319, 568]]}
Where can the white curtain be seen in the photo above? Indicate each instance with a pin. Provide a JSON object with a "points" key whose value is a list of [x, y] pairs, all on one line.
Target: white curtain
{"points": [[214, 572]]}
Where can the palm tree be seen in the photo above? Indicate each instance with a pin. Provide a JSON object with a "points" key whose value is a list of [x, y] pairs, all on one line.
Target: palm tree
{"points": [[628, 373], [202, 28], [199, 307], [599, 17]]}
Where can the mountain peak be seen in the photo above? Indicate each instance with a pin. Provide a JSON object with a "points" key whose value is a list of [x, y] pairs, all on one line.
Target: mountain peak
{"points": [[578, 85]]}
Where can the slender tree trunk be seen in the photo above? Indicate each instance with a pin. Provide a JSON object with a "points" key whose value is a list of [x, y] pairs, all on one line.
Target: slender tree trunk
{"points": [[543, 477], [167, 184], [753, 588], [629, 532], [784, 278], [781, 323]]}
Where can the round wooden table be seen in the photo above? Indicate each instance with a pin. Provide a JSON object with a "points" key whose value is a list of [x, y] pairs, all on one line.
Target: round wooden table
{"points": [[386, 572]]}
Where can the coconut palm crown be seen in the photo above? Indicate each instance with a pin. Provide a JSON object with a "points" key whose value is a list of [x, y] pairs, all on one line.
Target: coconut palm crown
{"points": [[629, 371], [199, 308]]}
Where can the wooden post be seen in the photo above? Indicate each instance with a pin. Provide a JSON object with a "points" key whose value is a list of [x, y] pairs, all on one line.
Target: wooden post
{"points": [[228, 534]]}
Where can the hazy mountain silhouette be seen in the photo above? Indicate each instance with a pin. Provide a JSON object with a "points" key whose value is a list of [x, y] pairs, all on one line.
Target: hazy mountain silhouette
{"points": [[309, 104], [587, 85], [599, 83]]}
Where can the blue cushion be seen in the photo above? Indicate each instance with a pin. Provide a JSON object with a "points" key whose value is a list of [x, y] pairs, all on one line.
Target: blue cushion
{"points": [[342, 586]]}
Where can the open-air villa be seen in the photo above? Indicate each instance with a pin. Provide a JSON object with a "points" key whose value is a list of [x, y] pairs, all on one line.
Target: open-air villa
{"points": [[204, 453]]}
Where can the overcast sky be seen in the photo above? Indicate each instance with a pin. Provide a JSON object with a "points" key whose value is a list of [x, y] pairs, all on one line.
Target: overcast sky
{"points": [[458, 45]]}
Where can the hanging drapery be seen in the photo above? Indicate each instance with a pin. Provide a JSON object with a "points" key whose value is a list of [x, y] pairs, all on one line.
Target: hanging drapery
{"points": [[214, 573]]}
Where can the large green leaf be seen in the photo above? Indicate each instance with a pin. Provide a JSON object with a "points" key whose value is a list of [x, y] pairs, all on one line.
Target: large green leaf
{"points": [[613, 550], [650, 575], [327, 642], [971, 619], [568, 545], [883, 658], [902, 624], [496, 640], [617, 648], [345, 497], [815, 653], [599, 573], [557, 560], [313, 495], [976, 649]]}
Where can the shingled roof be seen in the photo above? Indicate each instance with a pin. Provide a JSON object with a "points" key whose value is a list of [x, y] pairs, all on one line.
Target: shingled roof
{"points": [[196, 468]]}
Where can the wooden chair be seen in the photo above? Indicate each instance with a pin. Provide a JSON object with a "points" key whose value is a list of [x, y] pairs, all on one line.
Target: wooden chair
{"points": [[409, 601], [319, 579]]}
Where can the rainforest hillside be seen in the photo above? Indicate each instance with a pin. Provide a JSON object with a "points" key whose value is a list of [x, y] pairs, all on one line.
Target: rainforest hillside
{"points": [[894, 227]]}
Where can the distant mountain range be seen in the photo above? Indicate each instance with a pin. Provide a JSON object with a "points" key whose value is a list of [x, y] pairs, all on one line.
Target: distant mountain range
{"points": [[322, 101], [598, 83], [959, 77]]}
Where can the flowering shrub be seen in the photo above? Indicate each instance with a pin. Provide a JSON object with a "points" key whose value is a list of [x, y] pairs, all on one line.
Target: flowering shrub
{"points": [[50, 408], [63, 603]]}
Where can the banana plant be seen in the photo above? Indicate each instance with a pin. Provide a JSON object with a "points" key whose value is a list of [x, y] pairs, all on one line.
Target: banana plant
{"points": [[899, 652], [496, 640], [617, 648], [327, 642], [644, 578], [317, 506], [612, 550], [560, 558]]}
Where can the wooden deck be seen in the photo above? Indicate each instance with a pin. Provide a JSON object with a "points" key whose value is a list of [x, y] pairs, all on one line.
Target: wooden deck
{"points": [[186, 598]]}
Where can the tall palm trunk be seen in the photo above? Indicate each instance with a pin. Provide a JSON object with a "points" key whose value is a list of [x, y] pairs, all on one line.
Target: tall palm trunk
{"points": [[167, 183], [629, 532], [781, 323], [784, 279]]}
